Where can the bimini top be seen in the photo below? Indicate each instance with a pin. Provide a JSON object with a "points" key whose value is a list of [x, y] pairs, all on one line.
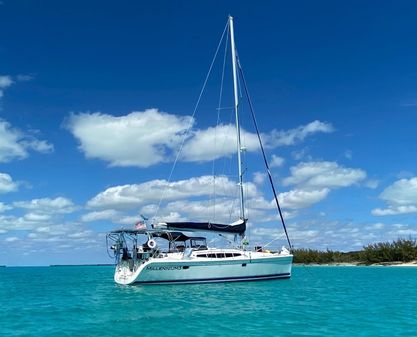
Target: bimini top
{"points": [[171, 236], [238, 227]]}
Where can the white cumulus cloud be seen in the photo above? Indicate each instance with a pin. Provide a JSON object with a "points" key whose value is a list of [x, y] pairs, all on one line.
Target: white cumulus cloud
{"points": [[59, 205], [394, 210], [293, 136], [4, 207], [11, 239], [259, 178], [297, 199], [313, 181], [5, 82], [135, 195], [219, 141], [107, 214], [323, 174], [145, 138], [15, 144], [276, 161], [402, 192], [138, 139], [401, 198], [7, 184]]}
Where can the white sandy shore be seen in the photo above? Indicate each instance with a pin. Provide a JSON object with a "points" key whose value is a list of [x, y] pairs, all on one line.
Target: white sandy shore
{"points": [[403, 264]]}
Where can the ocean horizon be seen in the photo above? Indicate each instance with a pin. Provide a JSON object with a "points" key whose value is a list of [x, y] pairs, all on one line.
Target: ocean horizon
{"points": [[316, 301]]}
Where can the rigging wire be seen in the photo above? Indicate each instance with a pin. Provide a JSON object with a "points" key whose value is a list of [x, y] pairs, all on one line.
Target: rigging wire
{"points": [[218, 121], [190, 124], [227, 165], [263, 151], [243, 151], [243, 139], [277, 238]]}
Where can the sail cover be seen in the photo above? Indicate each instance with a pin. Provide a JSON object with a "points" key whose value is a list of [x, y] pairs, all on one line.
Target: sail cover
{"points": [[237, 227]]}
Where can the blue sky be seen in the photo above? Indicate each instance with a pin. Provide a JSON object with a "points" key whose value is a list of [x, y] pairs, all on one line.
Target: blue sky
{"points": [[95, 99]]}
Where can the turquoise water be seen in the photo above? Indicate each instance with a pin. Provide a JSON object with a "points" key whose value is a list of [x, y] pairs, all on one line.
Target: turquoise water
{"points": [[316, 301]]}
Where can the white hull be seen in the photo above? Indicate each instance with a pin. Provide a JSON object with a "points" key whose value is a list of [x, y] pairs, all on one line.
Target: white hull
{"points": [[174, 269], [188, 259]]}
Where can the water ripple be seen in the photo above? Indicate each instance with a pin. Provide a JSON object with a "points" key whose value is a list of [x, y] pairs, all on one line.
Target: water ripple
{"points": [[316, 301]]}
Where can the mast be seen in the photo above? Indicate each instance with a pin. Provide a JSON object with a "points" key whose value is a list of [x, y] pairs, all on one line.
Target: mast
{"points": [[236, 106]]}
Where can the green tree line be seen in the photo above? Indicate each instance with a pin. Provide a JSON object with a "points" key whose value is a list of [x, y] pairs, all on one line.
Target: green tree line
{"points": [[402, 250]]}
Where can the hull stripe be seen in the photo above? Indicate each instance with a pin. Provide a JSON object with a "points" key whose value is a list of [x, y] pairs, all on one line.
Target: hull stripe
{"points": [[220, 279]]}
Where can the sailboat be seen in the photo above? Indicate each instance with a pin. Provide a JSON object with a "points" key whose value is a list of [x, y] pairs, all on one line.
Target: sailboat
{"points": [[169, 253]]}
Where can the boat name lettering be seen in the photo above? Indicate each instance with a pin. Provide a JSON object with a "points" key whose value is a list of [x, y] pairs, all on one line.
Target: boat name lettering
{"points": [[164, 268]]}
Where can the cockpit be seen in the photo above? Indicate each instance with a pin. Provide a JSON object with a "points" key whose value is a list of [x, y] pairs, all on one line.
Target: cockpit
{"points": [[141, 245]]}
